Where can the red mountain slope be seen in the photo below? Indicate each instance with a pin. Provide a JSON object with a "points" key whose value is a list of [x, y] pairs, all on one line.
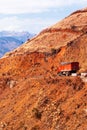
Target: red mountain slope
{"points": [[32, 96]]}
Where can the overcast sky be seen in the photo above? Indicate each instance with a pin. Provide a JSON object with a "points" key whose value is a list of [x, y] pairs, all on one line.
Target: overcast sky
{"points": [[35, 15]]}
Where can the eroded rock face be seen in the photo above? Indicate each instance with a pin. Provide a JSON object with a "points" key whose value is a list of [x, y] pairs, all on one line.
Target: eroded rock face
{"points": [[32, 96]]}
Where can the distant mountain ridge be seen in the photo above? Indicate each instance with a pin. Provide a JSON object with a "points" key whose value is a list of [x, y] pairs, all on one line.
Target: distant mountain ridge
{"points": [[11, 40]]}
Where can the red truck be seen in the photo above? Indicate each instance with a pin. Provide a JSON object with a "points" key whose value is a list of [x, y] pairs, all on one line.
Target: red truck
{"points": [[67, 68]]}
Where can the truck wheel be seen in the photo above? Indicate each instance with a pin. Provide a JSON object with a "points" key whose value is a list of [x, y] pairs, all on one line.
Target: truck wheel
{"points": [[67, 73]]}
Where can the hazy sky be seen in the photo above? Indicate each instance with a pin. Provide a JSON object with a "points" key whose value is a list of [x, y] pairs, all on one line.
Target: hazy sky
{"points": [[35, 15]]}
